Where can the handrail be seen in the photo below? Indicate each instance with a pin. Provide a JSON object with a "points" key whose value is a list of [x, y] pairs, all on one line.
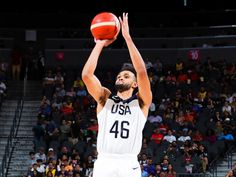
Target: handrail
{"points": [[13, 132], [193, 175], [214, 162], [12, 135]]}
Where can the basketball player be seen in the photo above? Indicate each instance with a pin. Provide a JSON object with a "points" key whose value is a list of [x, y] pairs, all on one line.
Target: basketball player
{"points": [[121, 117]]}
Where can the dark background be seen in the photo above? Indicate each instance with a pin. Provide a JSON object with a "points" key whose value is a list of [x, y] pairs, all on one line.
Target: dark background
{"points": [[78, 14]]}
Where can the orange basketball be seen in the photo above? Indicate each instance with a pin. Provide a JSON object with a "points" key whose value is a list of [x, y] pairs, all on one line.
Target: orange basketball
{"points": [[105, 25]]}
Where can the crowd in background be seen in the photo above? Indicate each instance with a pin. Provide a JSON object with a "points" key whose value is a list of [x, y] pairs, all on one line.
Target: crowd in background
{"points": [[193, 108]]}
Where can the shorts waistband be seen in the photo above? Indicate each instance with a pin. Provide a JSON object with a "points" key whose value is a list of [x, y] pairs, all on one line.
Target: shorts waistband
{"points": [[117, 156]]}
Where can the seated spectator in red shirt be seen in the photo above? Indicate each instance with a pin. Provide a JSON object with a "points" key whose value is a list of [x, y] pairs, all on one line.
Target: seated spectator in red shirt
{"points": [[94, 126], [193, 75], [67, 108], [189, 117], [157, 136], [197, 136], [182, 78]]}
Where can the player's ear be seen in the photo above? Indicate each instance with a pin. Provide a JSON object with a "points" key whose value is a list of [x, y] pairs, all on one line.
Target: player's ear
{"points": [[135, 85]]}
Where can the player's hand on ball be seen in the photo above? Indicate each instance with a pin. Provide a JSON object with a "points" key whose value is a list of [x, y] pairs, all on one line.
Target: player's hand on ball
{"points": [[105, 42]]}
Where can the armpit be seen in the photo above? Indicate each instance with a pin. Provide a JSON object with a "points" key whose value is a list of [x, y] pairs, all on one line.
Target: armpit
{"points": [[141, 103], [102, 100]]}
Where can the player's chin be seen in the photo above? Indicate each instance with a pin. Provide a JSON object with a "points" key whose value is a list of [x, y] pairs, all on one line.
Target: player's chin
{"points": [[122, 87]]}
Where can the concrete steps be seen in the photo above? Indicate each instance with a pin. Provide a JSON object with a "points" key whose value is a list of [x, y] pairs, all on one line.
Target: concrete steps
{"points": [[24, 143]]}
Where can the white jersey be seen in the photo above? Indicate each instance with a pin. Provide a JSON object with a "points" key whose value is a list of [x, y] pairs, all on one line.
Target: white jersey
{"points": [[121, 124]]}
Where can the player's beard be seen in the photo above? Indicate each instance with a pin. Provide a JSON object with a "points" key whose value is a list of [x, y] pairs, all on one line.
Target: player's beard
{"points": [[122, 87]]}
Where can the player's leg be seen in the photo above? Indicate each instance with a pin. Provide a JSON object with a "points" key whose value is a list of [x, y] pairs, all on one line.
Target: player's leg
{"points": [[104, 168], [130, 168]]}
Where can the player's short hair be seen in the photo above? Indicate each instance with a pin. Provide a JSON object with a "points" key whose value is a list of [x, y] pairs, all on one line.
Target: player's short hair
{"points": [[128, 68]]}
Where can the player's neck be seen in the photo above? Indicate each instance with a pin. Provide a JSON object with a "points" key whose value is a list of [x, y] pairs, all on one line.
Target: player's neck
{"points": [[125, 95]]}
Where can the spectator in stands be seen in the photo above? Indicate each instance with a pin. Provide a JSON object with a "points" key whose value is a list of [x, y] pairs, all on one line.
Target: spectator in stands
{"points": [[227, 107], [51, 155], [60, 93], [64, 152], [39, 133], [45, 108], [81, 92], [89, 165], [153, 79], [58, 79], [78, 83], [197, 136], [226, 116], [179, 65], [193, 76], [146, 150], [158, 169], [216, 117], [70, 93], [182, 79], [61, 171], [169, 115], [202, 94], [189, 118], [50, 170], [189, 166], [34, 171], [180, 118], [67, 108], [203, 154], [56, 104], [41, 64], [169, 136], [51, 131], [41, 167], [165, 164], [16, 62], [150, 167], [143, 172], [210, 135], [184, 136], [3, 89], [148, 64], [227, 136], [48, 84], [78, 171], [158, 67], [218, 128], [49, 173], [32, 159], [172, 151], [143, 159], [170, 171], [154, 118], [64, 129], [68, 165], [170, 80], [163, 127], [3, 69], [41, 155]]}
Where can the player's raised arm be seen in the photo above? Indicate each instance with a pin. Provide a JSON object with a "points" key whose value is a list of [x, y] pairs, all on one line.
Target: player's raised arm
{"points": [[94, 87], [144, 88]]}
